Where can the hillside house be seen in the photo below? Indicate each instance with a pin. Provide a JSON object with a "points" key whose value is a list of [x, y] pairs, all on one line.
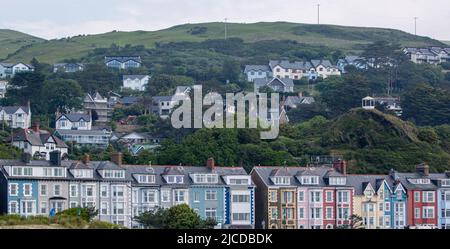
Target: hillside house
{"points": [[257, 72], [97, 106], [68, 67], [73, 121], [123, 62], [276, 84], [16, 116], [8, 70], [135, 82]]}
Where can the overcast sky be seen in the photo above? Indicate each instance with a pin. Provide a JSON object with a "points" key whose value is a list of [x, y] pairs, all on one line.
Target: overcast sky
{"points": [[60, 18]]}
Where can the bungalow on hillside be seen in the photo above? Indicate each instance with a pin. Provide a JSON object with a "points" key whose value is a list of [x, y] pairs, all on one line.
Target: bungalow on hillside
{"points": [[123, 62], [68, 67], [276, 84], [8, 70], [257, 72]]}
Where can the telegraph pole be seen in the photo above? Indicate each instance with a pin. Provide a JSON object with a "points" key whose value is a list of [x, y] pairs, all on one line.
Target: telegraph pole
{"points": [[226, 19], [415, 25], [318, 13]]}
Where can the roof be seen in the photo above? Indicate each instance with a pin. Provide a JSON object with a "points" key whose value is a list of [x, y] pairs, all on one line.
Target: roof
{"points": [[299, 65], [325, 63], [162, 98], [122, 58], [266, 172], [264, 81], [83, 132], [75, 117], [263, 68], [360, 182], [296, 100], [37, 138], [135, 76], [14, 109], [129, 100]]}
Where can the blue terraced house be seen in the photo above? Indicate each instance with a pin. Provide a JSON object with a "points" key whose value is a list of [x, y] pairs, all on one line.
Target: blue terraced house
{"points": [[399, 202]]}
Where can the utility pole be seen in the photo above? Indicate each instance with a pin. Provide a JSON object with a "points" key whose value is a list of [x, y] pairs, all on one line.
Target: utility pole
{"points": [[226, 19], [318, 13], [415, 25]]}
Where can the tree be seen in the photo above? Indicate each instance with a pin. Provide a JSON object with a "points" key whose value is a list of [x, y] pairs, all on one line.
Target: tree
{"points": [[231, 70], [28, 86], [85, 213], [154, 219], [355, 223], [62, 95]]}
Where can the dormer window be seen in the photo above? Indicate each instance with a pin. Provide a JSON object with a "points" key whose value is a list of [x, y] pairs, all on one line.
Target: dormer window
{"points": [[82, 173], [113, 174], [206, 178], [419, 181], [175, 179], [281, 180], [338, 181], [310, 180], [146, 178], [445, 182], [234, 181]]}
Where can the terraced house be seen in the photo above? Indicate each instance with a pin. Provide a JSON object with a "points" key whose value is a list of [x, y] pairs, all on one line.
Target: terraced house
{"points": [[120, 192], [302, 197]]}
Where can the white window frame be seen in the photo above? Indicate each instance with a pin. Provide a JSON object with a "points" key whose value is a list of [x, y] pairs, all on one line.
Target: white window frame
{"points": [[30, 189], [16, 189]]}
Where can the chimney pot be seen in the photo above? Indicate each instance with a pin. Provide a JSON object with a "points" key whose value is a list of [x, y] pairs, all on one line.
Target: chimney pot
{"points": [[35, 127], [210, 163], [340, 166], [423, 169]]}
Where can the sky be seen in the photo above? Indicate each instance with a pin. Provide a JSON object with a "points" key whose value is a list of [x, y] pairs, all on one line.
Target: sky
{"points": [[61, 18]]}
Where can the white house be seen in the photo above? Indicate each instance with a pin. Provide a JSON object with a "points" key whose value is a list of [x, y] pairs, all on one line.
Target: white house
{"points": [[38, 143], [8, 70], [3, 88], [135, 82], [257, 72], [16, 116], [433, 55], [73, 121], [68, 67], [325, 69]]}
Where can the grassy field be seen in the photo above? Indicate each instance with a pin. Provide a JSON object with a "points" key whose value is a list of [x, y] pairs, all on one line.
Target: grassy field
{"points": [[338, 37], [11, 41], [446, 42]]}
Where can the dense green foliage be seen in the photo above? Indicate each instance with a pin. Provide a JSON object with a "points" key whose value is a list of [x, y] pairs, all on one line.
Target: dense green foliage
{"points": [[176, 217]]}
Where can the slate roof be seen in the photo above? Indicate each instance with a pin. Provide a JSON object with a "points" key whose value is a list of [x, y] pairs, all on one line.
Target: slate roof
{"points": [[263, 68], [129, 100], [325, 63], [83, 132], [296, 100], [359, 182], [75, 117], [122, 58], [162, 98], [263, 82], [14, 109], [265, 172], [300, 65], [37, 138]]}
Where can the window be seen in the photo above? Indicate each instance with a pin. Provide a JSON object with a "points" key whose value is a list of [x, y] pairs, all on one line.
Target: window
{"points": [[28, 207], [56, 189], [241, 198], [273, 212], [73, 204], [205, 178], [118, 191], [288, 213], [329, 196], [165, 196], [179, 196], [43, 207], [287, 197], [316, 213], [273, 196], [146, 178], [87, 191], [13, 207], [148, 196], [340, 181], [17, 171], [73, 190], [329, 213], [104, 191], [445, 182], [416, 196], [417, 213], [428, 196], [380, 207], [343, 196], [315, 197], [301, 196], [118, 208], [175, 179], [27, 189], [241, 217], [301, 213], [281, 180], [310, 180], [428, 212], [210, 195], [196, 197], [104, 208], [27, 171], [343, 213], [387, 206], [211, 213], [43, 190], [234, 181], [57, 172], [13, 189]]}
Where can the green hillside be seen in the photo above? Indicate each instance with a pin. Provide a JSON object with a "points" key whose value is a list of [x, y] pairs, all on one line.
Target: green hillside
{"points": [[339, 37], [446, 42], [11, 41]]}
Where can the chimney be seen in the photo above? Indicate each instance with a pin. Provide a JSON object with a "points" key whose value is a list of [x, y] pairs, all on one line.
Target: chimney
{"points": [[35, 127], [55, 157], [116, 158], [26, 157], [340, 166], [86, 159], [300, 94], [447, 173], [423, 169], [210, 163]]}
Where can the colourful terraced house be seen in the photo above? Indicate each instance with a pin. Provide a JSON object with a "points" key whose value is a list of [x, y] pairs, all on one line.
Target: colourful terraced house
{"points": [[302, 197]]}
